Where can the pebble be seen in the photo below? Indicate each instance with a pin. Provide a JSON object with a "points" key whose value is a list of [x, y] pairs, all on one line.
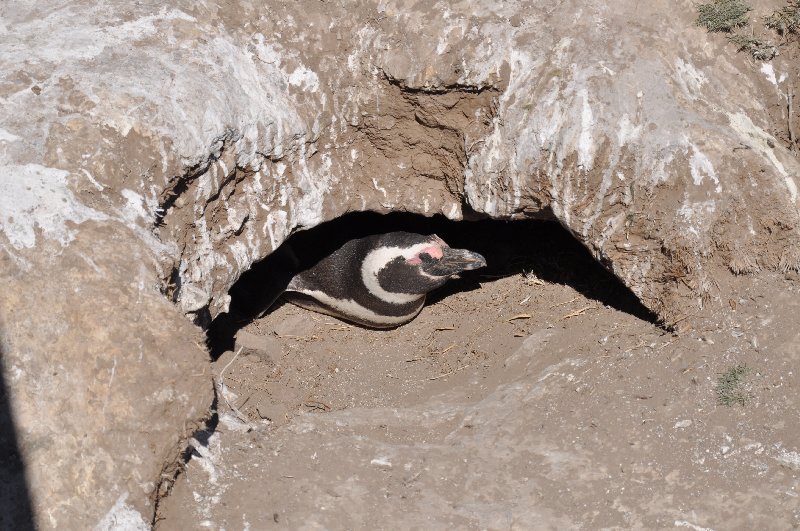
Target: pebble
{"points": [[381, 462]]}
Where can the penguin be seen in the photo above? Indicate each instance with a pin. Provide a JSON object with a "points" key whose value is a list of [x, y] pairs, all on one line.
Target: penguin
{"points": [[379, 281]]}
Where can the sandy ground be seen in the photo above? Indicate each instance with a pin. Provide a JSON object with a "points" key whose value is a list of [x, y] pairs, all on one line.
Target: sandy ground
{"points": [[535, 394]]}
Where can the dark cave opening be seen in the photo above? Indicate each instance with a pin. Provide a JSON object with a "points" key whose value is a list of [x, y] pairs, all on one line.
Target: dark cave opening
{"points": [[532, 247]]}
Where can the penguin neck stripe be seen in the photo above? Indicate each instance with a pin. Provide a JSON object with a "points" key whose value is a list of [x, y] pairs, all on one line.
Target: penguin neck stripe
{"points": [[377, 260]]}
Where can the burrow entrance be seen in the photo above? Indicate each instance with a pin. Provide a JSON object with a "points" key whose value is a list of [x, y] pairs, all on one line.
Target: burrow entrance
{"points": [[291, 360], [534, 249]]}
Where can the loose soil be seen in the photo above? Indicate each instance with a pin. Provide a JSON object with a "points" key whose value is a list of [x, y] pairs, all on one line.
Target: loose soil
{"points": [[535, 394]]}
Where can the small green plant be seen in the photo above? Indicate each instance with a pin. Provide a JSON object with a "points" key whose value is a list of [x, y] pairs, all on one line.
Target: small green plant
{"points": [[760, 49], [786, 20], [730, 16], [722, 15], [729, 386]]}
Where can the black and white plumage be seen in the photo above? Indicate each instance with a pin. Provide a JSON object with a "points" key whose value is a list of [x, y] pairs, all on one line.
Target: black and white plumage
{"points": [[380, 281]]}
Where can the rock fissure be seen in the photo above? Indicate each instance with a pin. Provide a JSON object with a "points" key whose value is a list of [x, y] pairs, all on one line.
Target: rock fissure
{"points": [[173, 467]]}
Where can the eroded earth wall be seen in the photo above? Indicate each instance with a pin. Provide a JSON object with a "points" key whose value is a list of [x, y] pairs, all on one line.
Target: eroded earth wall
{"points": [[151, 152]]}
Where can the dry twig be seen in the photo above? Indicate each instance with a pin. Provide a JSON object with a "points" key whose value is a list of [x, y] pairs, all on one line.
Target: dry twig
{"points": [[316, 404], [449, 373], [640, 344], [563, 303], [435, 353], [792, 144], [221, 386], [577, 312]]}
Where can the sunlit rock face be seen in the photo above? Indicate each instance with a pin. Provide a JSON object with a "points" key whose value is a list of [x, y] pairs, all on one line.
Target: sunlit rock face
{"points": [[149, 154]]}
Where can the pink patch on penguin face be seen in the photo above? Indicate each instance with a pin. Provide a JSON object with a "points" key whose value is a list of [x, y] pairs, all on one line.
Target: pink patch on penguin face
{"points": [[434, 251]]}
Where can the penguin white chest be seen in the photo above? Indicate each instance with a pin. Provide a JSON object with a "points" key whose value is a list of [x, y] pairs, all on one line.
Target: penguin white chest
{"points": [[352, 310]]}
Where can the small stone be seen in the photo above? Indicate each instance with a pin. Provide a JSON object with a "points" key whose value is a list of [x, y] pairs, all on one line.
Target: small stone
{"points": [[295, 325], [276, 413], [789, 459], [255, 345], [683, 423], [382, 462]]}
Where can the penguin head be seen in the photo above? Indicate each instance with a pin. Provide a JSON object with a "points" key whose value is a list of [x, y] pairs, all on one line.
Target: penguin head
{"points": [[404, 264]]}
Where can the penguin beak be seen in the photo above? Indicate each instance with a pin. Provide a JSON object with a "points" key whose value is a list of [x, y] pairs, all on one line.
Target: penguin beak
{"points": [[453, 261]]}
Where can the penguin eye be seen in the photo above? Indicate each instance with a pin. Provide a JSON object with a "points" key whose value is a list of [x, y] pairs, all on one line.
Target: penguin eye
{"points": [[426, 258]]}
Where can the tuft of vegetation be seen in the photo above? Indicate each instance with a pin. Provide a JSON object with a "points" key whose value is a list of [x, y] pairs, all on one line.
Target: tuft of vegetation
{"points": [[760, 49], [786, 20], [730, 16], [729, 387], [722, 15]]}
